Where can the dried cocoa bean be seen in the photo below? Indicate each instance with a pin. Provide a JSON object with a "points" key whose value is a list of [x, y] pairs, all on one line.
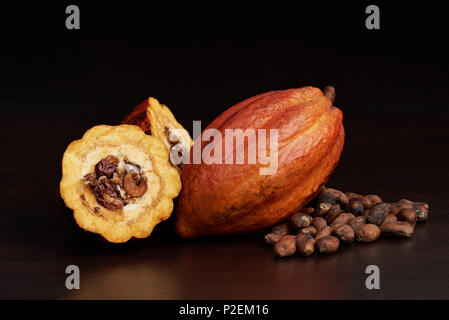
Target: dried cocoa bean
{"points": [[367, 233], [344, 233], [327, 245], [341, 198], [286, 246], [357, 221], [300, 220], [378, 213], [319, 222], [395, 207], [326, 197], [413, 203], [322, 209], [390, 218], [309, 211], [272, 238], [399, 229], [342, 219], [329, 91], [310, 230], [323, 232], [352, 195], [281, 229], [355, 207], [375, 199], [422, 213], [407, 215], [333, 213], [305, 244]]}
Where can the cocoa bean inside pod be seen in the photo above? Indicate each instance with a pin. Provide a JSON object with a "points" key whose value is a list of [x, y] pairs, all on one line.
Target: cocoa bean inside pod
{"points": [[300, 220], [344, 233], [407, 215], [367, 233], [399, 229], [323, 232], [284, 247], [356, 222], [375, 199], [333, 213], [310, 230], [378, 213], [327, 245], [319, 222], [281, 229], [355, 207], [272, 238], [305, 244]]}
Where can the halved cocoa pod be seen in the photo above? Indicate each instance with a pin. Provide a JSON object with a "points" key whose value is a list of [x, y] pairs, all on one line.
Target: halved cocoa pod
{"points": [[157, 119], [118, 182]]}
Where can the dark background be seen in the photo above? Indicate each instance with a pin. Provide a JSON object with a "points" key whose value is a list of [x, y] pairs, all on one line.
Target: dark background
{"points": [[56, 83]]}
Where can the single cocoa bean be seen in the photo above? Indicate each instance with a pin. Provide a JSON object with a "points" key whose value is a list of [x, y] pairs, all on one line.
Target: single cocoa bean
{"points": [[319, 222], [310, 230], [357, 221], [286, 246], [352, 195], [355, 207], [341, 198], [305, 244], [367, 233], [326, 197], [322, 209], [327, 245], [390, 218], [272, 238], [344, 233], [300, 220], [414, 203], [329, 91], [281, 229], [375, 199], [422, 213], [395, 207], [342, 219], [407, 215], [366, 202], [323, 232], [333, 213], [309, 210], [378, 213], [399, 229]]}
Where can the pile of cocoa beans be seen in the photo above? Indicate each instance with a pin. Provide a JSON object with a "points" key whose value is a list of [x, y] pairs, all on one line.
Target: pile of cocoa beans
{"points": [[340, 218]]}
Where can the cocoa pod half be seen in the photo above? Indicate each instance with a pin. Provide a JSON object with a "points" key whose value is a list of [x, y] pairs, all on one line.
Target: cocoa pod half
{"points": [[219, 198]]}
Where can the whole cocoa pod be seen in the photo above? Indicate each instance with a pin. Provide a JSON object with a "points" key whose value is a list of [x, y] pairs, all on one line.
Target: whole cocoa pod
{"points": [[219, 198]]}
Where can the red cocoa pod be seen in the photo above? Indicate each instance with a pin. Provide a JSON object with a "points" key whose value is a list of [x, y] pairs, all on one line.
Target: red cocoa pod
{"points": [[356, 222], [310, 230], [378, 213], [272, 238], [367, 233], [305, 244], [407, 215], [355, 207], [327, 245], [286, 246], [300, 220], [323, 232], [344, 233], [229, 198], [375, 199], [319, 222], [399, 229], [333, 213]]}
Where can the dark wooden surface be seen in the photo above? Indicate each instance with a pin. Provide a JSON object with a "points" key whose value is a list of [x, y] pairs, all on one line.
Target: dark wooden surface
{"points": [[54, 86]]}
